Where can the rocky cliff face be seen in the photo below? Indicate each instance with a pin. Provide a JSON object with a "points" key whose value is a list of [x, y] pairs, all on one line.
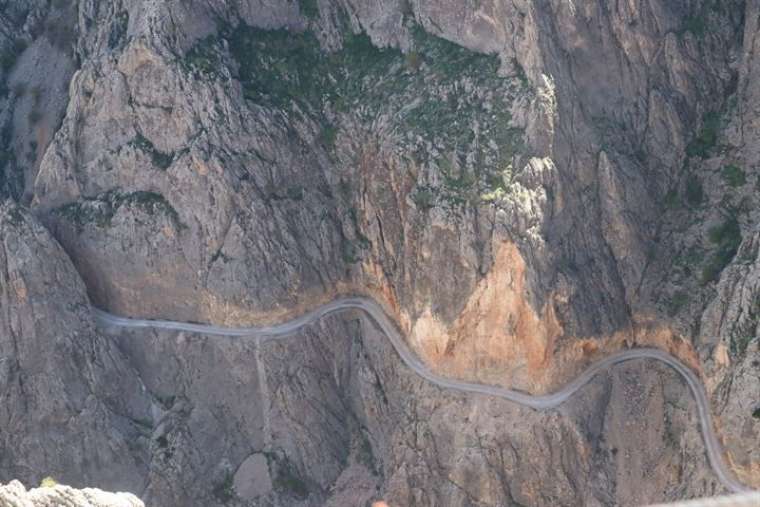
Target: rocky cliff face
{"points": [[71, 401], [526, 186]]}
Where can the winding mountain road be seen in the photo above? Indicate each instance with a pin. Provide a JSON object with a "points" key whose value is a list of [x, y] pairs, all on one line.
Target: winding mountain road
{"points": [[537, 402]]}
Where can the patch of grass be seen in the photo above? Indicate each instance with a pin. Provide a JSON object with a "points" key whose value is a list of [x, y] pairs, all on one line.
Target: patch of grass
{"points": [[364, 454], [688, 260], [309, 8], [756, 413], [328, 135], [413, 61], [293, 193], [520, 73], [277, 67], [695, 24], [744, 333], [36, 93], [424, 198], [14, 216], [288, 481], [19, 89], [733, 175], [151, 202], [11, 175], [224, 490], [118, 29], [99, 211], [48, 482], [461, 188], [706, 138], [727, 237], [5, 157], [61, 34], [671, 200], [676, 302], [694, 192], [740, 342], [34, 117], [454, 99], [204, 57], [350, 252], [160, 159], [9, 55]]}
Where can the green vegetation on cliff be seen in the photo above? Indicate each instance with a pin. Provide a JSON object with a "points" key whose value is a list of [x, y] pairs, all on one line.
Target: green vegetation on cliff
{"points": [[99, 211], [726, 237], [445, 105]]}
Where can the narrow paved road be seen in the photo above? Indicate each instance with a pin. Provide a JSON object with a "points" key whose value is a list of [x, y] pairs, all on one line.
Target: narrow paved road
{"points": [[538, 402]]}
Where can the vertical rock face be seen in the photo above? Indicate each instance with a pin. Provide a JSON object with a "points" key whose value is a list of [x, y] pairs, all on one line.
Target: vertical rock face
{"points": [[332, 417], [526, 186], [71, 402]]}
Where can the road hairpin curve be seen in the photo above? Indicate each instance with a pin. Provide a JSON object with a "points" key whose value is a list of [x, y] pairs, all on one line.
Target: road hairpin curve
{"points": [[537, 402]]}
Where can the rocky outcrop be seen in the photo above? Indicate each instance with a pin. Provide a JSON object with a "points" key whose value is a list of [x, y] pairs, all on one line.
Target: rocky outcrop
{"points": [[14, 494], [331, 416], [405, 173], [526, 186], [71, 402]]}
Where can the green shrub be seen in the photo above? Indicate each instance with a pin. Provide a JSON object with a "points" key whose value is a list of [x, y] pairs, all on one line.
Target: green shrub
{"points": [[100, 210], [328, 135], [277, 193], [413, 61], [9, 55], [118, 30], [309, 8], [706, 138], [727, 237], [36, 93], [349, 252], [288, 481], [727, 232], [61, 34], [756, 413], [676, 302], [160, 159], [694, 191], [364, 454], [34, 116], [671, 200], [424, 199], [203, 57], [294, 193], [746, 331], [456, 101], [224, 491], [734, 176], [696, 25], [19, 89]]}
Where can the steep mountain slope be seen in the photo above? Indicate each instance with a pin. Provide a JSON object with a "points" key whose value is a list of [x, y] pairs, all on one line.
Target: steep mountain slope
{"points": [[526, 186], [71, 401]]}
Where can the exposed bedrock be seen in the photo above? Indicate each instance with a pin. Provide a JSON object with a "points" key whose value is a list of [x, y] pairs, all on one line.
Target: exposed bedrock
{"points": [[526, 186]]}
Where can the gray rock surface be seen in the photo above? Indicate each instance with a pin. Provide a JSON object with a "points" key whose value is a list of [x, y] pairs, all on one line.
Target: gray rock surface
{"points": [[14, 494], [525, 185], [71, 402]]}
